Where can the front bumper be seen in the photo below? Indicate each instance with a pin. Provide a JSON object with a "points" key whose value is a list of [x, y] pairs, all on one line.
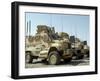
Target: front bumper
{"points": [[67, 54]]}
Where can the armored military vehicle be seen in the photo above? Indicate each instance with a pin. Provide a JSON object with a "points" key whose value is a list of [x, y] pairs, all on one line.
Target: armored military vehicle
{"points": [[79, 48], [49, 46], [86, 49]]}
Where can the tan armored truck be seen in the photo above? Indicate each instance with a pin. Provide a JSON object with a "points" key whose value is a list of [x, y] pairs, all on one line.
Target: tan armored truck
{"points": [[48, 46], [85, 49], [80, 49]]}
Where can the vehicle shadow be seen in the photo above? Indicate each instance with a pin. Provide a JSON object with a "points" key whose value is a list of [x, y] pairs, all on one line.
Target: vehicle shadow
{"points": [[72, 62]]}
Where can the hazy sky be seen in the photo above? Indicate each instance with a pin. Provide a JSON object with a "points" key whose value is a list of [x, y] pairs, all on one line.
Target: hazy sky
{"points": [[77, 25]]}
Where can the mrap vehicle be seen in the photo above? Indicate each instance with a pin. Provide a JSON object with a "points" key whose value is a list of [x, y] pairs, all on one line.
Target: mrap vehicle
{"points": [[52, 47], [79, 48], [57, 50]]}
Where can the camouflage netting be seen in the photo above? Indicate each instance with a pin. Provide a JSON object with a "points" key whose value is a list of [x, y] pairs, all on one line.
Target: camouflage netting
{"points": [[77, 40], [63, 35], [46, 31], [44, 35]]}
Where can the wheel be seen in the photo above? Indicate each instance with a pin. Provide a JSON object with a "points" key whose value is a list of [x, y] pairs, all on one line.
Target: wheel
{"points": [[67, 60], [80, 56], [88, 55], [44, 61], [28, 58], [54, 58]]}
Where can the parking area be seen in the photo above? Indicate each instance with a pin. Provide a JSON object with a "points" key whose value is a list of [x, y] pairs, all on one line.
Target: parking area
{"points": [[74, 62]]}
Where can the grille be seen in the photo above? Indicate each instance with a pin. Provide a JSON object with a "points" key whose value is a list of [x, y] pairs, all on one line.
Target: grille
{"points": [[66, 45]]}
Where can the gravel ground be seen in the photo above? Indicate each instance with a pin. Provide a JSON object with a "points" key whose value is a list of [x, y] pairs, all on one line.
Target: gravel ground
{"points": [[38, 63]]}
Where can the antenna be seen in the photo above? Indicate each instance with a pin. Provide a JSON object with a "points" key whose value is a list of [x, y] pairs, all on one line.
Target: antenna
{"points": [[76, 32], [51, 20], [62, 23], [71, 30], [29, 27]]}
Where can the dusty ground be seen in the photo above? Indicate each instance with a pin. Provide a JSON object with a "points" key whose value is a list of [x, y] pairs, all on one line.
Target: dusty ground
{"points": [[38, 63]]}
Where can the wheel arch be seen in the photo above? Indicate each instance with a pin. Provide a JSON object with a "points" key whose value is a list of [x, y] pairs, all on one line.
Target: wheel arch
{"points": [[52, 49], [55, 49], [56, 54], [28, 52]]}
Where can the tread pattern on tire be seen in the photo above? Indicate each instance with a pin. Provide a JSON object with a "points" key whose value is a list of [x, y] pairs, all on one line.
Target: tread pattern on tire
{"points": [[30, 61], [57, 55]]}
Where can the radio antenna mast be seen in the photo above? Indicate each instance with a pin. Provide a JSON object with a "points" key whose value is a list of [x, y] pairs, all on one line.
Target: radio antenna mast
{"points": [[71, 30], [29, 27], [62, 23], [76, 32], [51, 19]]}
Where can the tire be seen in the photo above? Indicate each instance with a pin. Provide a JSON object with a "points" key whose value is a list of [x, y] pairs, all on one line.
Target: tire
{"points": [[81, 57], [28, 58], [88, 55], [67, 60], [54, 58], [44, 61]]}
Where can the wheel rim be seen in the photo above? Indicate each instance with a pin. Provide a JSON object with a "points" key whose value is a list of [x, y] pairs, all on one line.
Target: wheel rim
{"points": [[27, 58], [53, 59]]}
